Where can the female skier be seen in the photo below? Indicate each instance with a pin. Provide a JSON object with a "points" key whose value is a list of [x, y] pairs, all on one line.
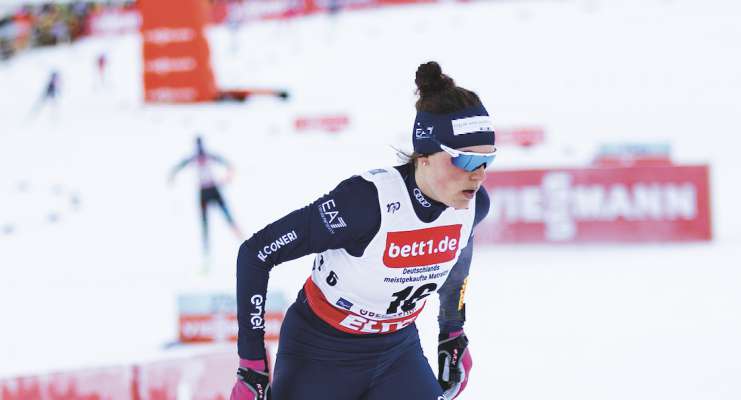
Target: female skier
{"points": [[384, 241], [209, 188]]}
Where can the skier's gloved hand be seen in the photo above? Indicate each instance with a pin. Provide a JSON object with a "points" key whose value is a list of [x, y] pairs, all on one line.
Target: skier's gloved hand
{"points": [[454, 363], [253, 381]]}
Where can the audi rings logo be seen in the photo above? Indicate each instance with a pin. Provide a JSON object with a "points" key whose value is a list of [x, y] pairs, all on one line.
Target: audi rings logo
{"points": [[421, 198]]}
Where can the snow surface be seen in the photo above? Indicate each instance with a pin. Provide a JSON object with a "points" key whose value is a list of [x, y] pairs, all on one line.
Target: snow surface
{"points": [[95, 246]]}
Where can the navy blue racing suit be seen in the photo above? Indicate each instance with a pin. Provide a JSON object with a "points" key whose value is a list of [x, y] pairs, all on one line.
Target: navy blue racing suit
{"points": [[315, 360]]}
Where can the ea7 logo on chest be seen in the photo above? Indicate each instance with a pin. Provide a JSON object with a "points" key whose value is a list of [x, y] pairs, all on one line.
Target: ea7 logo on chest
{"points": [[421, 247]]}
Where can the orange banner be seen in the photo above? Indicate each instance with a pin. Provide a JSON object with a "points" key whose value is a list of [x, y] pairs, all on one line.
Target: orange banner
{"points": [[176, 59], [219, 327]]}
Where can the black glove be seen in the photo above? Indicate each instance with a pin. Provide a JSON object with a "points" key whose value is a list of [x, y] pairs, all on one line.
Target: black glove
{"points": [[454, 363], [251, 384]]}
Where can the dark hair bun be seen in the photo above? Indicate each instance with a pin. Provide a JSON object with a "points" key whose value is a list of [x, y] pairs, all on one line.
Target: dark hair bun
{"points": [[430, 79]]}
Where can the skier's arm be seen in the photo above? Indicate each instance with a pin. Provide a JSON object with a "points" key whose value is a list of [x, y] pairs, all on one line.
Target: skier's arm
{"points": [[452, 307], [219, 159], [453, 355], [179, 166], [304, 231]]}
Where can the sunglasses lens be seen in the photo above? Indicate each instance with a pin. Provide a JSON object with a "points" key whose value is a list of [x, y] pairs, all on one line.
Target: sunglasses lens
{"points": [[471, 163]]}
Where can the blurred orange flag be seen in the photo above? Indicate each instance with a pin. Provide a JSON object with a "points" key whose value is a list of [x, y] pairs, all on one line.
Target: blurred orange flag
{"points": [[176, 59]]}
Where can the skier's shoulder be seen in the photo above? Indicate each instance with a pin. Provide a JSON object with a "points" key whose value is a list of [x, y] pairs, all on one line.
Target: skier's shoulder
{"points": [[378, 175], [348, 216], [214, 157], [359, 191]]}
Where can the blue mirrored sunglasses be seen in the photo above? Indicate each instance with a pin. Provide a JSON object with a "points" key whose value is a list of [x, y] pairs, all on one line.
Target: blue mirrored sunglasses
{"points": [[469, 161]]}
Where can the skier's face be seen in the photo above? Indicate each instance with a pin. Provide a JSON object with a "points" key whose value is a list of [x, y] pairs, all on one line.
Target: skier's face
{"points": [[449, 184]]}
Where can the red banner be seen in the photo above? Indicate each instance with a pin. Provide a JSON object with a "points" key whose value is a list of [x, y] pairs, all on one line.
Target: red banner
{"points": [[638, 204], [198, 377], [526, 136], [112, 383], [328, 123], [198, 373], [177, 63], [114, 21], [118, 20], [203, 377], [219, 327]]}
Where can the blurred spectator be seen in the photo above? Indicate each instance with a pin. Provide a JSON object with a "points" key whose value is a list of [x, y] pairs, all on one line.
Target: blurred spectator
{"points": [[334, 7], [49, 24], [6, 37], [23, 21]]}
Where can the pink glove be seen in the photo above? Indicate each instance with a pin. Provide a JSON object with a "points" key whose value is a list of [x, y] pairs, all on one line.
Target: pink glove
{"points": [[454, 363], [253, 381]]}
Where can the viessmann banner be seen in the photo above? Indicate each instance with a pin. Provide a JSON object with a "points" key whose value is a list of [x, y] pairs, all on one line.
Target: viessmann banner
{"points": [[635, 204]]}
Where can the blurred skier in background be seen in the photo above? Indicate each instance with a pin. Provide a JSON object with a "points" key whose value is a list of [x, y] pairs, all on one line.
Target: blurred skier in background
{"points": [[334, 7], [384, 241], [101, 62], [49, 95], [209, 187], [52, 87]]}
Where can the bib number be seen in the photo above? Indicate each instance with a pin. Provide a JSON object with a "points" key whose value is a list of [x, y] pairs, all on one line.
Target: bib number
{"points": [[408, 297]]}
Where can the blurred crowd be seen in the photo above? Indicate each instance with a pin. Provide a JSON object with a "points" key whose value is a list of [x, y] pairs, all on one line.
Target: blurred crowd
{"points": [[48, 24], [36, 25]]}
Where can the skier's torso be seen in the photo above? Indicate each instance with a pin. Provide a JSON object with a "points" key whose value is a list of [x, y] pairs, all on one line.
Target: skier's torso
{"points": [[384, 289], [203, 169]]}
